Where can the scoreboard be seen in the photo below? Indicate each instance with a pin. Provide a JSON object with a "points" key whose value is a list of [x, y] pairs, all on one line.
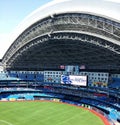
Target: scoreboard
{"points": [[74, 80]]}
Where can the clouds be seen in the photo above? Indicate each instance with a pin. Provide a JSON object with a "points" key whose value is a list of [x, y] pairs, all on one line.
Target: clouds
{"points": [[115, 1]]}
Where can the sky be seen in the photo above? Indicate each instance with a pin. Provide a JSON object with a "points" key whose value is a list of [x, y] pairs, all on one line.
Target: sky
{"points": [[13, 12]]}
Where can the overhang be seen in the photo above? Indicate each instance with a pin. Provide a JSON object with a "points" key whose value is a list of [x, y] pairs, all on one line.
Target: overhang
{"points": [[60, 34]]}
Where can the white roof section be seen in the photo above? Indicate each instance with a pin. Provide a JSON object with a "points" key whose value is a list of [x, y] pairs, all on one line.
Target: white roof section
{"points": [[105, 8]]}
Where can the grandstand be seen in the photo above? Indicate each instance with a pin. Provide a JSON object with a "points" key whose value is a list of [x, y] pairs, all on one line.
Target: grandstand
{"points": [[72, 56]]}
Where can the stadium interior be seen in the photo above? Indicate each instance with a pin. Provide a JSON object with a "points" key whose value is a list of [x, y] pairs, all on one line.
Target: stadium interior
{"points": [[73, 57]]}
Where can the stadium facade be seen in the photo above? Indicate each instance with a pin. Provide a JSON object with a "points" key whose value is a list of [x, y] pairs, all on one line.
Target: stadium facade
{"points": [[61, 41], [58, 35], [76, 37]]}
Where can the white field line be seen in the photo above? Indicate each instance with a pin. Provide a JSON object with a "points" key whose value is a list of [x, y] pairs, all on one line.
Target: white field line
{"points": [[8, 123]]}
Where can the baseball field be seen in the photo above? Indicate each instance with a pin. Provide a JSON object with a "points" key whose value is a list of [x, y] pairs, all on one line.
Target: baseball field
{"points": [[45, 113]]}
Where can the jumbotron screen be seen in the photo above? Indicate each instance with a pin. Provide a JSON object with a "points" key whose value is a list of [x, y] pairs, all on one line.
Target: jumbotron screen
{"points": [[74, 80]]}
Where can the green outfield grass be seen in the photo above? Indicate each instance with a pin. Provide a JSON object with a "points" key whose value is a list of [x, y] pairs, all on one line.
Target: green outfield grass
{"points": [[45, 113]]}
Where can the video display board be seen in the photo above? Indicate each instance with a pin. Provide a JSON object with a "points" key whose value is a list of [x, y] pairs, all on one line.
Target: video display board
{"points": [[74, 80]]}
